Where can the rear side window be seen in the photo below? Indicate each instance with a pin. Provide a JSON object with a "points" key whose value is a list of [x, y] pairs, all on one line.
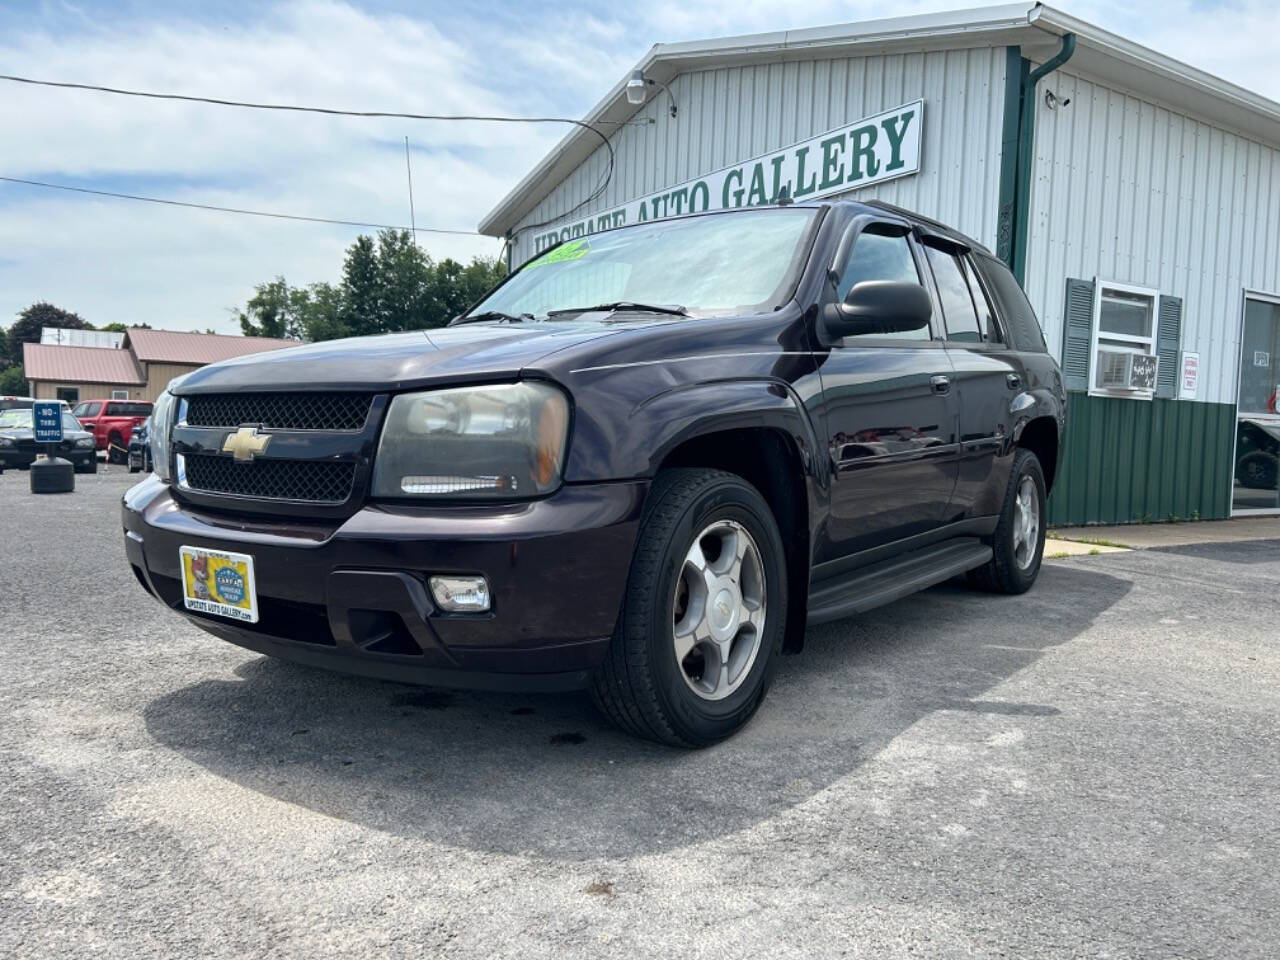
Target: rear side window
{"points": [[953, 291], [127, 410], [88, 409], [1019, 318]]}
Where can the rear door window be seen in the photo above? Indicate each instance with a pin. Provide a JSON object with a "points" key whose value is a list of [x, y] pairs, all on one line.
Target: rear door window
{"points": [[953, 291], [987, 321]]}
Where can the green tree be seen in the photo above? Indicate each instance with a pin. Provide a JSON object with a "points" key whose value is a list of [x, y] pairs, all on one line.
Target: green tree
{"points": [[26, 329], [322, 318], [269, 312], [13, 380], [119, 327], [387, 284], [361, 313]]}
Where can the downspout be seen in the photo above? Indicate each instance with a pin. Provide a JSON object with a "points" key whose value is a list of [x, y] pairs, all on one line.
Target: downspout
{"points": [[1016, 208]]}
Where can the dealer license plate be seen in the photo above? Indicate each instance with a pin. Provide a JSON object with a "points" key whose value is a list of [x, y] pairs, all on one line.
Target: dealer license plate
{"points": [[219, 583]]}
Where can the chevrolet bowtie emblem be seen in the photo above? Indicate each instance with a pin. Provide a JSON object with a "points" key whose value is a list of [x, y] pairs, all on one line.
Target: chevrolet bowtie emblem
{"points": [[245, 444]]}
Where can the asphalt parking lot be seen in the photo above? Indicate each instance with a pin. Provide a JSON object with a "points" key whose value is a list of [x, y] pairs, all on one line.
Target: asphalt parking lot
{"points": [[1092, 770]]}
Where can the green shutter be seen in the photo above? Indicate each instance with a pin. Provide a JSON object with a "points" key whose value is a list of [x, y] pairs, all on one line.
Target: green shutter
{"points": [[1168, 338], [1076, 324]]}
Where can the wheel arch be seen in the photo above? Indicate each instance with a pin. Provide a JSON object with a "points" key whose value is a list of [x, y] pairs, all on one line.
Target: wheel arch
{"points": [[1040, 436], [769, 458]]}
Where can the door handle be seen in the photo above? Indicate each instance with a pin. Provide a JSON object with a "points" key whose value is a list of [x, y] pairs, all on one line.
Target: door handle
{"points": [[1013, 380], [941, 385]]}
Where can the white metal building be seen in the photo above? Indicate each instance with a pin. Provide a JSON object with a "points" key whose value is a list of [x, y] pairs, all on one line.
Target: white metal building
{"points": [[1136, 197]]}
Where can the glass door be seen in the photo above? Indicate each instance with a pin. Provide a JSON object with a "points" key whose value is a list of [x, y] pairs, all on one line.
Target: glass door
{"points": [[1257, 462]]}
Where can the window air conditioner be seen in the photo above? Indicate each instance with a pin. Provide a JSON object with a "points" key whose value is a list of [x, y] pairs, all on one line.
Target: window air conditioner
{"points": [[1125, 370]]}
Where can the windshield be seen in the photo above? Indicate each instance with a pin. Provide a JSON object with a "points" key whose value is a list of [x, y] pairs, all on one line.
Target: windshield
{"points": [[21, 420], [717, 264]]}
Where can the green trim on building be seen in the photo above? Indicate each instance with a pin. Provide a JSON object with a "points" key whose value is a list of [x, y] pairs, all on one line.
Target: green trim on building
{"points": [[1131, 461], [1015, 69]]}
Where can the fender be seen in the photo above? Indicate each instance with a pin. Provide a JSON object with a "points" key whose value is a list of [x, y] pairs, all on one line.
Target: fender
{"points": [[689, 411], [1033, 405]]}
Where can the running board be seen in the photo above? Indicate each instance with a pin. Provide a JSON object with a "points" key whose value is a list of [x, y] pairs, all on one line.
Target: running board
{"points": [[893, 579]]}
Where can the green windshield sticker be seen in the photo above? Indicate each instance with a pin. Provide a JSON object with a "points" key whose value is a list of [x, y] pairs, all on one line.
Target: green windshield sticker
{"points": [[574, 250]]}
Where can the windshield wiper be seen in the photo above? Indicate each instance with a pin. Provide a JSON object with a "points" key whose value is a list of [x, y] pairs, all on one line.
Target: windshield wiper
{"points": [[491, 315], [674, 310]]}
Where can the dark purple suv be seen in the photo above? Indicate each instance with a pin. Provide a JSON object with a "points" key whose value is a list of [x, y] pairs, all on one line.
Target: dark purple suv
{"points": [[641, 465]]}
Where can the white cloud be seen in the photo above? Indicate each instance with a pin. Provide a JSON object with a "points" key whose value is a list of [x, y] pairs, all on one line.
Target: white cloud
{"points": [[119, 261]]}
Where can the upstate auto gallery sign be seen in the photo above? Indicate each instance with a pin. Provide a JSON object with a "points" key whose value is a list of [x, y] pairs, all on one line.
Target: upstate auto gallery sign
{"points": [[851, 156]]}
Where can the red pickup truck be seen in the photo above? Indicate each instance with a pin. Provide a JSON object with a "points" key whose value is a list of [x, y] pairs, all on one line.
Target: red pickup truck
{"points": [[111, 422]]}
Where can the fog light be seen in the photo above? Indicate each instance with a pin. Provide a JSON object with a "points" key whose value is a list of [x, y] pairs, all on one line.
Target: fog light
{"points": [[461, 594]]}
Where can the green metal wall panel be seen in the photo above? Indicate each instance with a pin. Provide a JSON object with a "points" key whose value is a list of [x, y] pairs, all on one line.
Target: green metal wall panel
{"points": [[1129, 461]]}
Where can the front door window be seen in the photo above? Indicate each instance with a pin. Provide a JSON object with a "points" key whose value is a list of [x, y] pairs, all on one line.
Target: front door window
{"points": [[1257, 464]]}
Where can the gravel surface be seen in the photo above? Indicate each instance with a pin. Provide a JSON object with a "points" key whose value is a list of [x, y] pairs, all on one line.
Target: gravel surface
{"points": [[1090, 770]]}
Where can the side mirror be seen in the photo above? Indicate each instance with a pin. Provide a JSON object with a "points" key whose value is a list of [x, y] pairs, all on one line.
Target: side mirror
{"points": [[878, 306]]}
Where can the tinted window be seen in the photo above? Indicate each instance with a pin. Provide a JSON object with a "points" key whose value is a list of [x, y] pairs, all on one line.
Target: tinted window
{"points": [[87, 409], [876, 256], [953, 291], [1019, 319], [128, 409], [986, 313]]}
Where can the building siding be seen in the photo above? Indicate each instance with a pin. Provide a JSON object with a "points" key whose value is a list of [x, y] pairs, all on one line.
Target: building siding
{"points": [[1129, 461], [1125, 189], [159, 374], [48, 389], [729, 115]]}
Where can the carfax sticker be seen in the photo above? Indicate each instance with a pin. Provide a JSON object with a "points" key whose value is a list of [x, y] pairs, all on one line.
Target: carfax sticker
{"points": [[219, 583]]}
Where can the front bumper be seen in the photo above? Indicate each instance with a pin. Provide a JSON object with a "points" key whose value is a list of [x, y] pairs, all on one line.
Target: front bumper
{"points": [[20, 458], [352, 595]]}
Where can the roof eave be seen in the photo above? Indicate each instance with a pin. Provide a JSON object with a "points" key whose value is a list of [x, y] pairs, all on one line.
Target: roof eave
{"points": [[985, 26], [1035, 27], [1106, 56]]}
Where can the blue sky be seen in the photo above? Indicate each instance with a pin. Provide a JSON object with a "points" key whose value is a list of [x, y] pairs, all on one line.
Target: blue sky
{"points": [[120, 261]]}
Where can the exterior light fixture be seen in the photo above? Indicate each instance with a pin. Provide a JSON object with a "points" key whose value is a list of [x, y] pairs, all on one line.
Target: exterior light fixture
{"points": [[637, 90]]}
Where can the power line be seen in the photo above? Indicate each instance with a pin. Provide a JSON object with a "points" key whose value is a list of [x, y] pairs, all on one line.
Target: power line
{"points": [[335, 111], [237, 210]]}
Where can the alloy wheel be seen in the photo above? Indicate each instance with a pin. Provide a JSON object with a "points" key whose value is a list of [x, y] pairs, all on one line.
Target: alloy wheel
{"points": [[719, 610], [1026, 523]]}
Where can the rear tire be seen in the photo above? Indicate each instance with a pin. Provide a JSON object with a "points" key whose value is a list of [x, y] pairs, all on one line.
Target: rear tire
{"points": [[1258, 470], [1018, 548], [116, 452], [731, 618]]}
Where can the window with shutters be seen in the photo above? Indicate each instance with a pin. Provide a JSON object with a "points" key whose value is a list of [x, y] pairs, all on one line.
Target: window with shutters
{"points": [[1106, 326], [1122, 354]]}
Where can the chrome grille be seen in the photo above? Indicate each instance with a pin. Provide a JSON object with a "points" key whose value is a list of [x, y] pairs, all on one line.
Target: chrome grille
{"points": [[280, 411], [310, 481]]}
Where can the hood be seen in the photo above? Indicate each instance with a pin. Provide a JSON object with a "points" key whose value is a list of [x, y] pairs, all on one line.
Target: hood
{"points": [[402, 360]]}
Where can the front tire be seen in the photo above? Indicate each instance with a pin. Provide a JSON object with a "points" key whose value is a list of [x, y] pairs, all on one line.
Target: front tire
{"points": [[704, 613], [1018, 543]]}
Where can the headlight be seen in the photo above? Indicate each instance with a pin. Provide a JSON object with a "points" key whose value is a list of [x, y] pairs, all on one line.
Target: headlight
{"points": [[501, 442], [84, 442], [161, 424]]}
